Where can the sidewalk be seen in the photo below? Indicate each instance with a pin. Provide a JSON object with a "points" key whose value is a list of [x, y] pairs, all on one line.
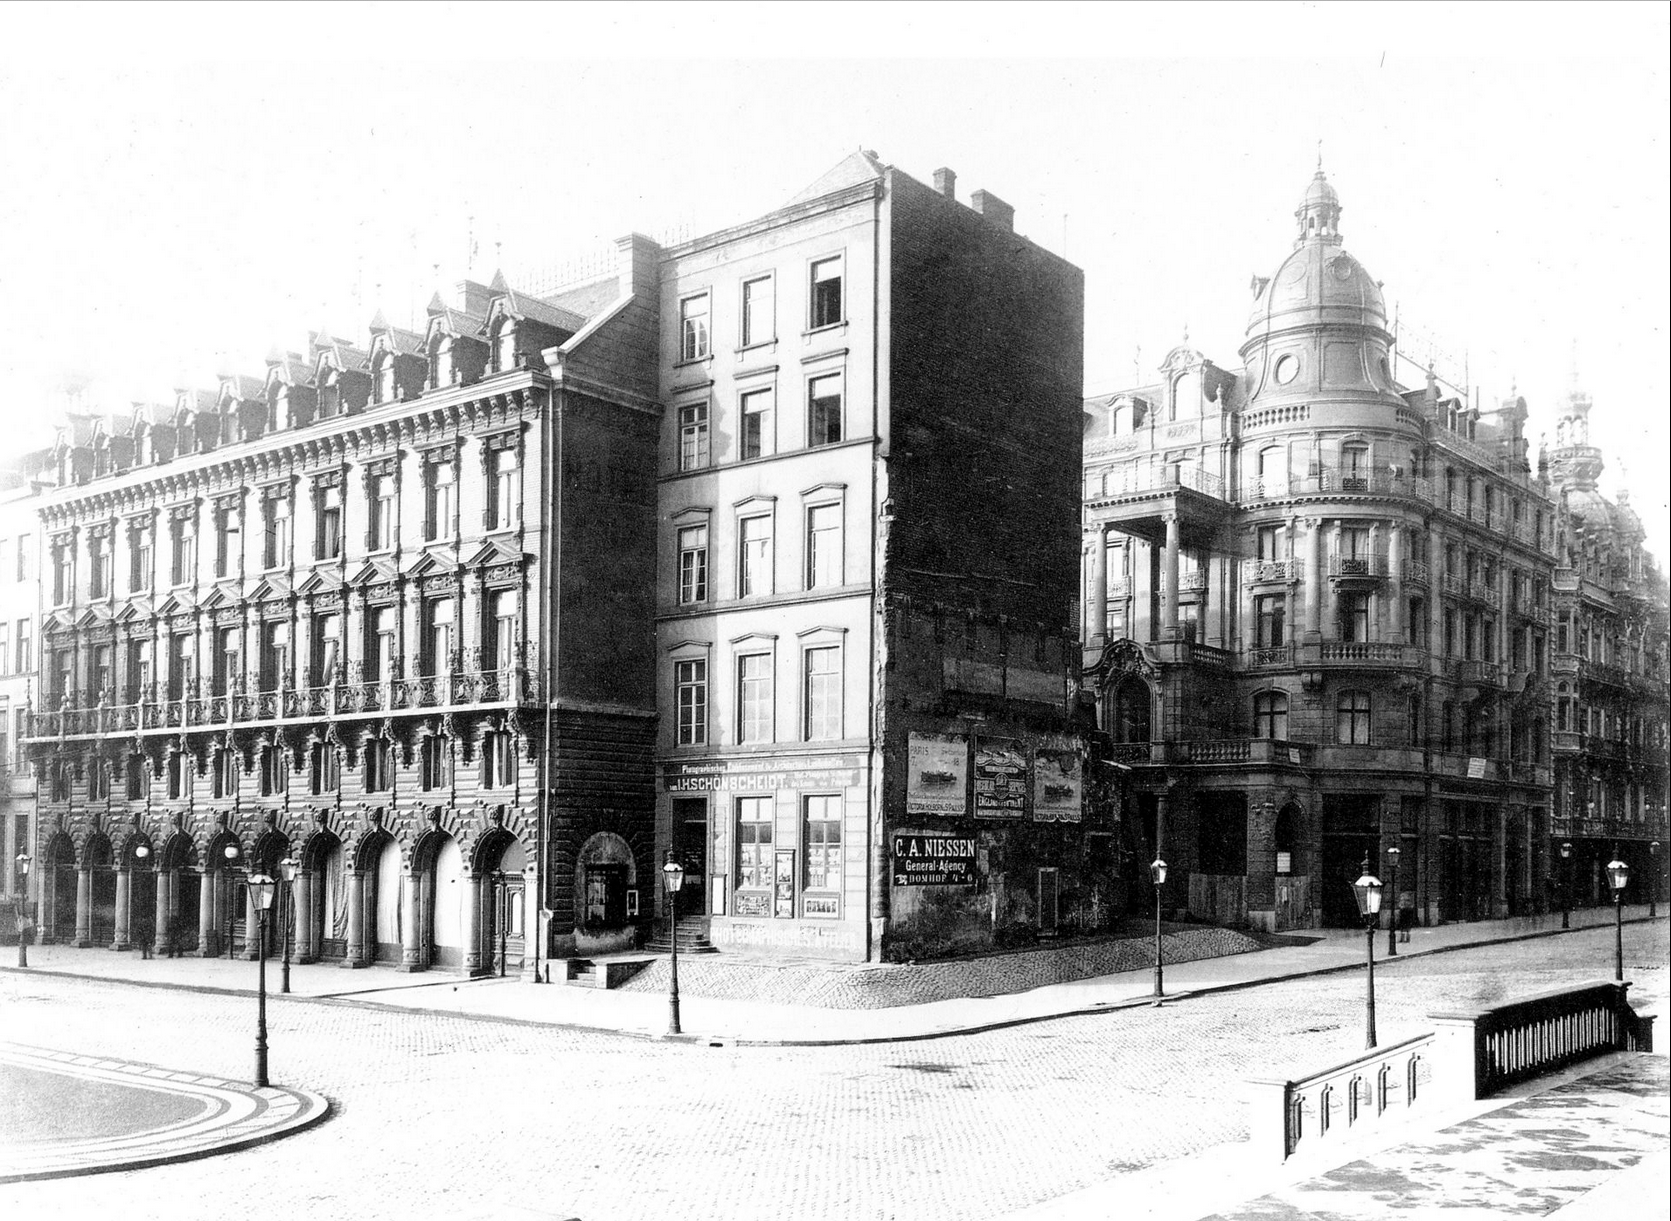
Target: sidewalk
{"points": [[776, 1021]]}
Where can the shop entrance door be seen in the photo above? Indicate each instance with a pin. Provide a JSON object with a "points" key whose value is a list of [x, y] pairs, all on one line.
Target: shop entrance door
{"points": [[690, 847]]}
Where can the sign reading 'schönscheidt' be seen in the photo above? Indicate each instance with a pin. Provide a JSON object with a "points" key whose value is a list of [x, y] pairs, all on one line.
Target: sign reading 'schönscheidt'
{"points": [[764, 775], [930, 859]]}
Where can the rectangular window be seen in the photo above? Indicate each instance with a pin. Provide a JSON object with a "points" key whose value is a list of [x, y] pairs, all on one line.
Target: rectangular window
{"points": [[275, 655], [380, 513], [225, 774], [754, 698], [693, 327], [826, 293], [693, 437], [1450, 632], [178, 771], [5, 649], [182, 557], [439, 488], [1352, 718], [434, 763], [98, 566], [1417, 625], [693, 565], [327, 540], [1271, 614], [63, 573], [1354, 618], [822, 843], [324, 650], [275, 524], [756, 440], [226, 535], [1270, 715], [498, 759], [103, 673], [754, 556], [379, 765], [140, 558], [25, 557], [181, 664], [690, 678], [224, 673], [754, 843], [505, 502], [1273, 542], [437, 652], [824, 410], [98, 779], [499, 648], [379, 644], [135, 775], [324, 769], [139, 670], [823, 546], [822, 694], [25, 646], [759, 311]]}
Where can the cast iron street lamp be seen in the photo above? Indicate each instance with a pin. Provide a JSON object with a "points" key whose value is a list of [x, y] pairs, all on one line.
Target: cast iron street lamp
{"points": [[1618, 873], [20, 908], [1157, 873], [1367, 891], [1653, 881], [261, 889], [287, 869], [142, 853], [1392, 921], [673, 875], [231, 854], [1566, 884]]}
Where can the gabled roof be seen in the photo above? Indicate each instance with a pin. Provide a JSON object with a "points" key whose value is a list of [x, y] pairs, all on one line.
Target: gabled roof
{"points": [[271, 588], [332, 353], [507, 301], [431, 563], [454, 322], [496, 552], [587, 300], [289, 369], [374, 571], [134, 609], [320, 580], [82, 428], [241, 386], [862, 166], [403, 342], [176, 602]]}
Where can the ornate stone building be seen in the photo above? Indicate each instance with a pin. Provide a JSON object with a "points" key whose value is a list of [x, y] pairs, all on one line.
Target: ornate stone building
{"points": [[1319, 617]]}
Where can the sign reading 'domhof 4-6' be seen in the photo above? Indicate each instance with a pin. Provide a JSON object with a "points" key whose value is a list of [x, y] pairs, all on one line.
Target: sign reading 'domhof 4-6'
{"points": [[764, 775], [930, 859]]}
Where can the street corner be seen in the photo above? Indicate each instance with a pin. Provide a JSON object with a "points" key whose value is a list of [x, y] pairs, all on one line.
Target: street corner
{"points": [[63, 1114]]}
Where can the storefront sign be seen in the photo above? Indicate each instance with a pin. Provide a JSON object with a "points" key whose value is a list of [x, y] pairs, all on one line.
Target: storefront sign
{"points": [[752, 903], [1000, 782], [938, 780], [764, 775], [783, 885], [1057, 792], [1476, 769], [934, 860]]}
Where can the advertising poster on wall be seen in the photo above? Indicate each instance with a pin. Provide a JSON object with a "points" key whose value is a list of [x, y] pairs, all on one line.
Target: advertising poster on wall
{"points": [[939, 775], [1000, 780], [934, 859], [1057, 788]]}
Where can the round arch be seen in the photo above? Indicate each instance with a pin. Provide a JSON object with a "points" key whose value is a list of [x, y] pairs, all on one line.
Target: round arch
{"points": [[605, 869], [1130, 710]]}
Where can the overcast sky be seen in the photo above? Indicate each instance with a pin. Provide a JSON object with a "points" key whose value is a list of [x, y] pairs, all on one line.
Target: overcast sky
{"points": [[184, 188]]}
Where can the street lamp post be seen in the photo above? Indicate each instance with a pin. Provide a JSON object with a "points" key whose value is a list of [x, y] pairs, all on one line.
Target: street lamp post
{"points": [[141, 853], [1618, 873], [230, 852], [1157, 873], [1653, 875], [1367, 891], [20, 909], [287, 870], [1566, 884], [261, 889], [673, 876], [1392, 920]]}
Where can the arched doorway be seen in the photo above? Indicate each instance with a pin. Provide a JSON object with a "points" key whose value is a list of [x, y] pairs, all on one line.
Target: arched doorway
{"points": [[382, 889], [180, 894], [500, 863], [59, 904], [222, 897], [1129, 710], [445, 900], [321, 899], [142, 890], [1293, 888], [271, 848], [100, 862]]}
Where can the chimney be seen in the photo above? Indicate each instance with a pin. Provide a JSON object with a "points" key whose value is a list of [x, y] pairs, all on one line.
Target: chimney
{"points": [[993, 208], [639, 264], [945, 182], [474, 298]]}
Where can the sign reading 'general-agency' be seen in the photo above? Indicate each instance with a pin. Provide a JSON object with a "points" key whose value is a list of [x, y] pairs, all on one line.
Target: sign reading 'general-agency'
{"points": [[934, 860]]}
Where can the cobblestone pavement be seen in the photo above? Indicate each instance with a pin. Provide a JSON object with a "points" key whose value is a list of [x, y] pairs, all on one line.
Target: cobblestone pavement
{"points": [[439, 1115]]}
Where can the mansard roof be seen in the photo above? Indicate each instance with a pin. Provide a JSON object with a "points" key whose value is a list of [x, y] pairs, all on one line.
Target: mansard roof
{"points": [[396, 339], [289, 369], [507, 301], [457, 323]]}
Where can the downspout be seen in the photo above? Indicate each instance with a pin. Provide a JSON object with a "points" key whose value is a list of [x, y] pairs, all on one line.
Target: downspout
{"points": [[551, 548], [875, 824]]}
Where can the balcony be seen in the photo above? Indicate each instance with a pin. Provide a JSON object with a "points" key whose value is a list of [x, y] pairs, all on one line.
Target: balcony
{"points": [[1370, 567], [1374, 654], [1601, 748], [150, 709], [1481, 673], [1239, 751], [1416, 573], [1192, 582], [1566, 742], [1563, 663], [1454, 585], [1272, 658], [1264, 572], [1483, 591], [1188, 653], [1566, 580], [1601, 672], [1342, 483]]}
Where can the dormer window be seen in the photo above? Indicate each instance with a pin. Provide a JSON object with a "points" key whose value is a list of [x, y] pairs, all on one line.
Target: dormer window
{"points": [[505, 348], [330, 399], [440, 363], [386, 378]]}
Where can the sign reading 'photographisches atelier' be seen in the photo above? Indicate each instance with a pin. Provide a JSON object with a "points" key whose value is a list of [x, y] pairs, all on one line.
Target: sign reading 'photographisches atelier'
{"points": [[930, 859]]}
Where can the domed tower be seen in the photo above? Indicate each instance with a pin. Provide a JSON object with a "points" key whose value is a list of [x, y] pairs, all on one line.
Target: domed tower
{"points": [[1319, 323]]}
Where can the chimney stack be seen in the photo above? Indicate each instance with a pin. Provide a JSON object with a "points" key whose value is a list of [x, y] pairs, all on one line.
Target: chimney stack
{"points": [[993, 208], [945, 182]]}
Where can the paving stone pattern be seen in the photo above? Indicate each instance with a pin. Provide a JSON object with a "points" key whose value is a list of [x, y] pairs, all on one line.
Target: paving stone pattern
{"points": [[828, 986], [447, 1116]]}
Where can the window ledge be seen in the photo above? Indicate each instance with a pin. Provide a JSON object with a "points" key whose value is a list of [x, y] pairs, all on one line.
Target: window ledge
{"points": [[765, 345], [705, 359], [832, 328]]}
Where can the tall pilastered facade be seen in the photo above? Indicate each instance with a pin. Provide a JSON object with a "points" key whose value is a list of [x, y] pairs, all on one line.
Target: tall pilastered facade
{"points": [[479, 623], [1319, 611]]}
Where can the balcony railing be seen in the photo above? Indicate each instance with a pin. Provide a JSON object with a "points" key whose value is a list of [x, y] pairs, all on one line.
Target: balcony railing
{"points": [[1347, 483], [1371, 653], [1357, 565], [1481, 673], [1483, 591], [154, 710], [1416, 573], [1453, 584], [1136, 481], [1563, 663], [1192, 581], [1600, 671], [1268, 658], [1263, 571]]}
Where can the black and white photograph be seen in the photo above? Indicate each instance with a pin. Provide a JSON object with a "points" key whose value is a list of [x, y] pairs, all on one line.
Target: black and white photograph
{"points": [[848, 612]]}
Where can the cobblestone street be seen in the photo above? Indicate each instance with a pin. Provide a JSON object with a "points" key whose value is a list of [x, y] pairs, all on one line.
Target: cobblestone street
{"points": [[476, 1119]]}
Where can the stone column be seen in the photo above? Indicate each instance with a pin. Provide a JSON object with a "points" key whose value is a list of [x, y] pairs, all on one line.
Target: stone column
{"points": [[167, 881], [355, 954], [1395, 583], [252, 926], [83, 908], [411, 944], [124, 900], [1169, 594], [1096, 621], [302, 901], [1314, 579], [208, 942], [1499, 861], [532, 932], [470, 923]]}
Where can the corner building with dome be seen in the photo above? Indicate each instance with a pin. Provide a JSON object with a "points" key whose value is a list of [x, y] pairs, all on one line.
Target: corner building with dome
{"points": [[1319, 621]]}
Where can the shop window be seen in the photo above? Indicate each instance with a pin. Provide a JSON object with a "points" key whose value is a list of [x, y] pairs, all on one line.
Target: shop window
{"points": [[822, 844], [754, 844]]}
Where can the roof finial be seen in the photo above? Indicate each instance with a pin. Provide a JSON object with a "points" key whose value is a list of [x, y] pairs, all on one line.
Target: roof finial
{"points": [[1319, 154], [1137, 363], [1186, 332]]}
